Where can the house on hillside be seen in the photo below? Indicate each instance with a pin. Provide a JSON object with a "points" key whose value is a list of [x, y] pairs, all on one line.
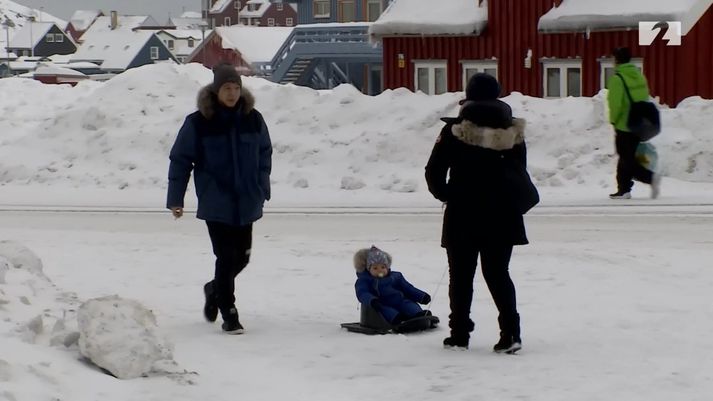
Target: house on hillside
{"points": [[252, 49], [41, 39], [321, 11], [182, 42], [542, 48], [81, 21], [120, 50], [268, 13], [116, 22], [189, 20], [221, 12]]}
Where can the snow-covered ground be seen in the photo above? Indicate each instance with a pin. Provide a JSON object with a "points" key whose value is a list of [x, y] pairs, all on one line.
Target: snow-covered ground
{"points": [[614, 295], [615, 305]]}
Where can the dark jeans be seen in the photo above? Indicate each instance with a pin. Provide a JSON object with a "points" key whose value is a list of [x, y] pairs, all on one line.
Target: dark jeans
{"points": [[462, 263], [628, 169], [231, 247]]}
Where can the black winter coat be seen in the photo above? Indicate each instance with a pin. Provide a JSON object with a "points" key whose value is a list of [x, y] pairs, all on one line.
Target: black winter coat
{"points": [[476, 149]]}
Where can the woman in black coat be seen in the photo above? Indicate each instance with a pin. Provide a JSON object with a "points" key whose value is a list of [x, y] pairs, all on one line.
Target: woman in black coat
{"points": [[479, 149]]}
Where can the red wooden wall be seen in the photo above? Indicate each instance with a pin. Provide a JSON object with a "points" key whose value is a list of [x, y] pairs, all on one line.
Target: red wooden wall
{"points": [[674, 73]]}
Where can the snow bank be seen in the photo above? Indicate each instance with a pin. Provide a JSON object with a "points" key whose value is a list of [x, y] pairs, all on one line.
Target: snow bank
{"points": [[121, 336], [328, 145]]}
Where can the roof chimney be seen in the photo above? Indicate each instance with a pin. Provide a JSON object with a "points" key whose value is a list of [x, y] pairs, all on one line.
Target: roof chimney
{"points": [[114, 20]]}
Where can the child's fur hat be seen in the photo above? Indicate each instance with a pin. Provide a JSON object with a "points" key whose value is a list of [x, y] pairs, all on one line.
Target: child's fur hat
{"points": [[366, 257]]}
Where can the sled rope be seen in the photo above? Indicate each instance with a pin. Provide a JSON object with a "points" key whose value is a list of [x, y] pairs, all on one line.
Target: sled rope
{"points": [[433, 297]]}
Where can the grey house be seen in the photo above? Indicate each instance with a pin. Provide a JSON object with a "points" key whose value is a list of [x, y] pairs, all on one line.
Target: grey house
{"points": [[41, 39], [118, 51]]}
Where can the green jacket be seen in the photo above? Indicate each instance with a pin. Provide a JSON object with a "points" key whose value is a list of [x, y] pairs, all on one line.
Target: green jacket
{"points": [[619, 104]]}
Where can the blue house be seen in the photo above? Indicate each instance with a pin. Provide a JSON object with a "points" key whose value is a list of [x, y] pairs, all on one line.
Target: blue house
{"points": [[118, 51], [330, 46]]}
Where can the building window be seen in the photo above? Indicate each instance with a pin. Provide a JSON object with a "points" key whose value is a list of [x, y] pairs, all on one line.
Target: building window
{"points": [[606, 69], [154, 52], [373, 10], [236, 5], [471, 68], [280, 6], [191, 42], [270, 22], [288, 22], [170, 44], [562, 78], [320, 8], [226, 21], [430, 77], [346, 11], [49, 38], [253, 7], [58, 37]]}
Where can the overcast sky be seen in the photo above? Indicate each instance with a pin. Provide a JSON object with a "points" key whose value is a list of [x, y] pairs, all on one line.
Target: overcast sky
{"points": [[159, 9]]}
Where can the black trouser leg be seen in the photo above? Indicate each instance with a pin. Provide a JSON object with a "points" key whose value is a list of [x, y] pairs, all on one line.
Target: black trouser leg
{"points": [[231, 247], [627, 168], [462, 263], [494, 263]]}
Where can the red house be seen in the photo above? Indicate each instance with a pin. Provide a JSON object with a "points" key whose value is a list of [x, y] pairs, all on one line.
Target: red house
{"points": [[81, 21], [221, 12], [544, 48], [268, 13]]}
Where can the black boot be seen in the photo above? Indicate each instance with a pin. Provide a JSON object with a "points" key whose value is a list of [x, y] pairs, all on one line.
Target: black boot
{"points": [[210, 308], [231, 322], [510, 341], [456, 341]]}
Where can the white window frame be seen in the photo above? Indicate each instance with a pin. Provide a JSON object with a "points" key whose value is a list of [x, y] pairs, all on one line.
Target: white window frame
{"points": [[562, 65], [58, 38], [270, 22], [323, 15], [171, 44], [236, 5], [280, 6], [191, 42], [289, 21], [369, 4], [226, 21], [155, 54], [431, 65], [605, 63], [49, 38], [479, 66]]}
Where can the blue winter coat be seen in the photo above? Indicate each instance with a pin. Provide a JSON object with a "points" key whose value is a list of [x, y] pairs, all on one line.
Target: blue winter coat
{"points": [[394, 292], [230, 154]]}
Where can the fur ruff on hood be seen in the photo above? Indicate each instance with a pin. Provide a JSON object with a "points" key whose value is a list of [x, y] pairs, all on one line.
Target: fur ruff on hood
{"points": [[208, 101], [490, 138], [360, 259]]}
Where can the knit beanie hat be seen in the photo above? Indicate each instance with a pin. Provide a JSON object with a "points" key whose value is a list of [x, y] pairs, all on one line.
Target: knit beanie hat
{"points": [[224, 73], [482, 86], [376, 256]]}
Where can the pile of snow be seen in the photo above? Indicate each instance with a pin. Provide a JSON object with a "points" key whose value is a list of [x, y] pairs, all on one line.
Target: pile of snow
{"points": [[105, 325], [330, 147], [425, 17]]}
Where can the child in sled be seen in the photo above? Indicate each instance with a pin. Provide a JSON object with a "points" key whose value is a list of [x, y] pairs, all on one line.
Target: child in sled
{"points": [[385, 290]]}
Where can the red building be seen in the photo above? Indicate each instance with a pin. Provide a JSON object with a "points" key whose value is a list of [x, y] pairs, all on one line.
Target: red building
{"points": [[268, 13], [221, 12], [542, 51]]}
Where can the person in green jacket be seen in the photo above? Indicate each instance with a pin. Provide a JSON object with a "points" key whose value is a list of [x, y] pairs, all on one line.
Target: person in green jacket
{"points": [[627, 168]]}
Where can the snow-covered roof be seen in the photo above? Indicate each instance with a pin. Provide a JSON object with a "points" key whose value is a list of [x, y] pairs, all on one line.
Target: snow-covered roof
{"points": [[186, 23], [114, 49], [4, 55], [181, 36], [20, 15], [82, 19], [55, 70], [185, 33], [428, 17], [255, 44], [262, 6], [192, 14], [125, 23], [30, 35], [588, 15], [219, 6]]}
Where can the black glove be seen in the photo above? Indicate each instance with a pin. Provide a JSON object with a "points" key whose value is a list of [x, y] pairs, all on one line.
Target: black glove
{"points": [[426, 300], [375, 303]]}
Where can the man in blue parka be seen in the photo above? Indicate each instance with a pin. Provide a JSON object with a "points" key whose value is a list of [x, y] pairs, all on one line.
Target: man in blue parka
{"points": [[227, 145]]}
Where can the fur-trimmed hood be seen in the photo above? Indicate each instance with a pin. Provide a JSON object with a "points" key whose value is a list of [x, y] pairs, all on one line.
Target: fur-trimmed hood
{"points": [[490, 138], [360, 259], [208, 101]]}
